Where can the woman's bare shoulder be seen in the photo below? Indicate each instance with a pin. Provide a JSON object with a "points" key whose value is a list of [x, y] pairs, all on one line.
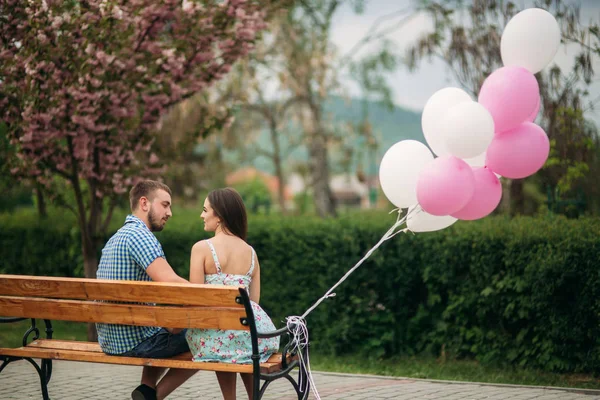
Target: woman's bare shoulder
{"points": [[200, 246]]}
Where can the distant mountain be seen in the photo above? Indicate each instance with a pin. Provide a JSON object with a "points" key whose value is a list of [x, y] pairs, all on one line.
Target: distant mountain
{"points": [[389, 127]]}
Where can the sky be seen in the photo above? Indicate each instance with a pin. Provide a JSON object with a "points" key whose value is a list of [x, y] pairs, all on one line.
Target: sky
{"points": [[412, 89]]}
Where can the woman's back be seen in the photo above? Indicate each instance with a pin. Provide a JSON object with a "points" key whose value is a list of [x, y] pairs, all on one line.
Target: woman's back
{"points": [[235, 256]]}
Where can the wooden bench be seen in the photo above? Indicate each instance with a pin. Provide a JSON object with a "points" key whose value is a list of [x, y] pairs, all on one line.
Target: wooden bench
{"points": [[168, 305]]}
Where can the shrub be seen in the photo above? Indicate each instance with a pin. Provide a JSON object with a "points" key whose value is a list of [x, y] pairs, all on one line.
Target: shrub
{"points": [[520, 291]]}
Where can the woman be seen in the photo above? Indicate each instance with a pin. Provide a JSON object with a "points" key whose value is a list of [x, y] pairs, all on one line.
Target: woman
{"points": [[227, 259]]}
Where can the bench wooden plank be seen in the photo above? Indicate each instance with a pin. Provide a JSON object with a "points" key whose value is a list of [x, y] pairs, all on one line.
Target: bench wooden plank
{"points": [[56, 351], [125, 314], [61, 344], [112, 290]]}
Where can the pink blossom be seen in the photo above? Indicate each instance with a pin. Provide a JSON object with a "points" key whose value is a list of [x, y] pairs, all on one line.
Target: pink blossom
{"points": [[187, 5], [106, 96], [117, 13], [203, 57], [246, 34], [57, 22]]}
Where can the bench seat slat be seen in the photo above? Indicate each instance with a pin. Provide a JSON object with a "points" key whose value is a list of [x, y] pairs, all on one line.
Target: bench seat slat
{"points": [[59, 344], [56, 350], [125, 314], [112, 290]]}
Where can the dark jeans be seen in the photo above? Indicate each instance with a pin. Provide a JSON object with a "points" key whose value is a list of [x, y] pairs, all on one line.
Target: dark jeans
{"points": [[162, 345]]}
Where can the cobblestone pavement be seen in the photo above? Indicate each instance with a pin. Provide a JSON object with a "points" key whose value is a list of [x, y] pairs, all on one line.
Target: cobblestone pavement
{"points": [[76, 381]]}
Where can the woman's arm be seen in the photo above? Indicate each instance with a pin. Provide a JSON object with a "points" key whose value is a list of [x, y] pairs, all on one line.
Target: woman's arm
{"points": [[255, 285], [197, 263]]}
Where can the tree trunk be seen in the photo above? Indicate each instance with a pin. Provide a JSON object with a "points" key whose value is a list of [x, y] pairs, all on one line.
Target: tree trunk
{"points": [[41, 202], [517, 198], [318, 163], [505, 201], [90, 263], [319, 171], [278, 166]]}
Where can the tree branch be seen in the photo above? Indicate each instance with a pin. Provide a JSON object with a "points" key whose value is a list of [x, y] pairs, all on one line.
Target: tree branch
{"points": [[111, 208], [312, 13], [370, 35]]}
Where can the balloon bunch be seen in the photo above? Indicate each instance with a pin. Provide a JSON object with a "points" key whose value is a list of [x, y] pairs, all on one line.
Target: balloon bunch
{"points": [[476, 142]]}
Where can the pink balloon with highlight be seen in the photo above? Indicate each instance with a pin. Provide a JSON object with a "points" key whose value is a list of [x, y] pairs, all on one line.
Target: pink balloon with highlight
{"points": [[518, 153], [535, 113], [445, 185], [487, 195], [510, 94]]}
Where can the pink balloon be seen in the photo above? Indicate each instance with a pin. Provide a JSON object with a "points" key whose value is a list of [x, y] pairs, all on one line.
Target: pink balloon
{"points": [[518, 153], [487, 195], [510, 95], [534, 114], [445, 185]]}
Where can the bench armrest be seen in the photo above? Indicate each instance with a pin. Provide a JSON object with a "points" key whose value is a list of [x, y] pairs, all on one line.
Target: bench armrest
{"points": [[272, 334]]}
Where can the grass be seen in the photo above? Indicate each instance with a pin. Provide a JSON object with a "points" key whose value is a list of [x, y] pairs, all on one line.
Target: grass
{"points": [[422, 367], [11, 335]]}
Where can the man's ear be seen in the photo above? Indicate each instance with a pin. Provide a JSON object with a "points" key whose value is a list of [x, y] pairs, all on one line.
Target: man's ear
{"points": [[144, 203]]}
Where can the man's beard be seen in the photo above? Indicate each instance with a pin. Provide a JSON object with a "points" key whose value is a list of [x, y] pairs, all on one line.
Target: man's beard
{"points": [[155, 225]]}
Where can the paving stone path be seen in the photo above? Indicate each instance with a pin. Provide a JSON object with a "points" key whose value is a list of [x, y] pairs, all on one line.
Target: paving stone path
{"points": [[77, 381]]}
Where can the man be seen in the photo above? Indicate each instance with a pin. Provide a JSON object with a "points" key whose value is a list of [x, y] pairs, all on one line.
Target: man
{"points": [[134, 253]]}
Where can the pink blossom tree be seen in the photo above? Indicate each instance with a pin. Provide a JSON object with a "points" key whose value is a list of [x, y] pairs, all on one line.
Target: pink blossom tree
{"points": [[84, 83]]}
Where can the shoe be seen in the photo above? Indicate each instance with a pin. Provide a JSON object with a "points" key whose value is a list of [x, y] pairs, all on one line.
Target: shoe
{"points": [[143, 392]]}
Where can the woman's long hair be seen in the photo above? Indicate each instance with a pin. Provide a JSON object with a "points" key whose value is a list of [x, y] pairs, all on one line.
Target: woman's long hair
{"points": [[229, 207]]}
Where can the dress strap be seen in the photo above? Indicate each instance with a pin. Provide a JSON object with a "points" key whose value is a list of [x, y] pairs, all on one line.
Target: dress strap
{"points": [[215, 258], [252, 264]]}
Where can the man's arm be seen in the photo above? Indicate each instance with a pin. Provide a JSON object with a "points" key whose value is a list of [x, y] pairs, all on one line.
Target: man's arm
{"points": [[160, 271]]}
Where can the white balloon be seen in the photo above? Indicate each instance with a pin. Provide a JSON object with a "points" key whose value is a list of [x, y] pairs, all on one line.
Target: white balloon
{"points": [[530, 40], [477, 161], [399, 171], [419, 220], [435, 109], [467, 129]]}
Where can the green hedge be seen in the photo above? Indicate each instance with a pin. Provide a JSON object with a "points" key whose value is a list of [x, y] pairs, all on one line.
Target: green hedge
{"points": [[524, 291]]}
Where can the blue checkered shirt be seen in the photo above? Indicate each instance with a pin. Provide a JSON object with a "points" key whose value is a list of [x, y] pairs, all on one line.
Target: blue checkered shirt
{"points": [[126, 256]]}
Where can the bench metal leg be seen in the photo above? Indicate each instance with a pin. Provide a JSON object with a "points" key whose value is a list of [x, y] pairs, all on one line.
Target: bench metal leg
{"points": [[47, 369], [256, 392], [45, 372], [43, 378], [303, 377], [4, 364], [263, 389], [303, 390]]}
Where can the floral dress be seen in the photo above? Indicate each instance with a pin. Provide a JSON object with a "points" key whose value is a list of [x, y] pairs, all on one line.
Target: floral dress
{"points": [[231, 346]]}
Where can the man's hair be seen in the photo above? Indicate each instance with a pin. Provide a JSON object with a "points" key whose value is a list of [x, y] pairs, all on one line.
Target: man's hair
{"points": [[229, 207], [145, 189]]}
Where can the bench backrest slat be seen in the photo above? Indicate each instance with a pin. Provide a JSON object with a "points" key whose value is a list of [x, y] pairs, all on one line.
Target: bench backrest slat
{"points": [[126, 314], [123, 291]]}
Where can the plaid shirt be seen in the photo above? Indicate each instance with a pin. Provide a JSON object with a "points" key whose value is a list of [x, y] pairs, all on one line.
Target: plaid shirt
{"points": [[126, 256]]}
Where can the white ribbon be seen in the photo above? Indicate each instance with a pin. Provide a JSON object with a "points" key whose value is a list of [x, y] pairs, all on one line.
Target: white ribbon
{"points": [[297, 325]]}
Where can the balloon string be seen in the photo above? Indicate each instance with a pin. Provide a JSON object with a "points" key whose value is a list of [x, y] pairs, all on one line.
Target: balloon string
{"points": [[388, 235], [297, 325], [299, 330]]}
